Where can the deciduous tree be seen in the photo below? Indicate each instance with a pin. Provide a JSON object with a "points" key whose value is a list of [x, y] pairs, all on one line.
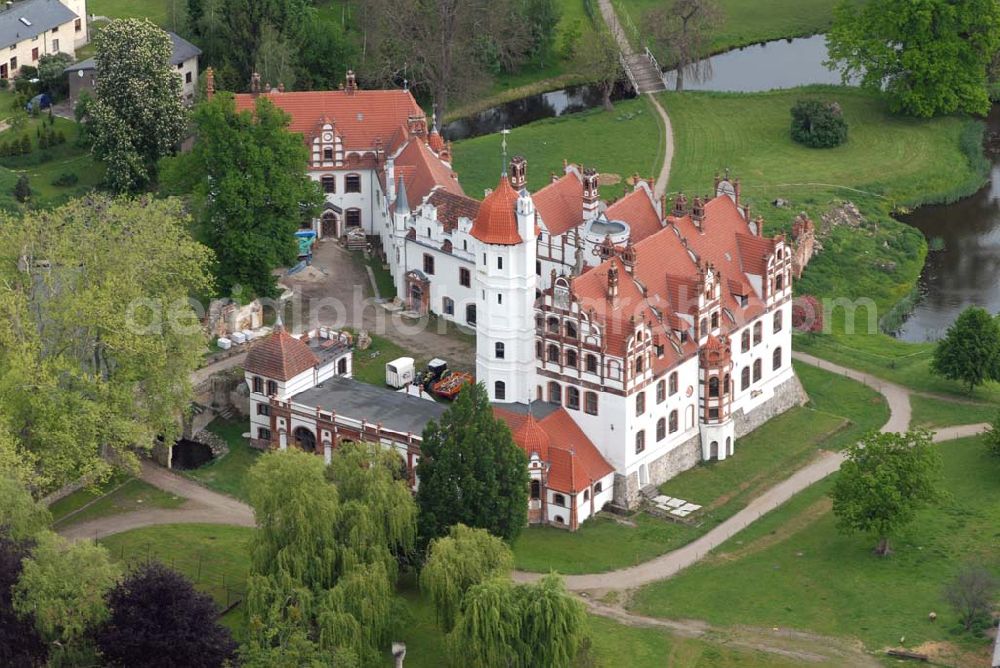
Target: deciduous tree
{"points": [[600, 61], [930, 56], [971, 594], [97, 335], [886, 478], [137, 115], [970, 350], [463, 558], [471, 472], [158, 619], [992, 436], [683, 29], [62, 587], [251, 191], [51, 74], [20, 642], [21, 517]]}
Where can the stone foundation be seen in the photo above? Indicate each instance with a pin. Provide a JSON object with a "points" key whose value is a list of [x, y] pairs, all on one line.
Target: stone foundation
{"points": [[688, 454], [787, 395]]}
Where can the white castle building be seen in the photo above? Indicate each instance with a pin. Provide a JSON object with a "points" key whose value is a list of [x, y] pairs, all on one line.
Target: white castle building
{"points": [[622, 342]]}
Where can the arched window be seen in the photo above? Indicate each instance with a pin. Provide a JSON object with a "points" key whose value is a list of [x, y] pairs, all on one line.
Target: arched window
{"points": [[758, 332], [640, 441], [703, 327], [499, 391], [756, 370], [342, 366], [614, 370], [586, 495], [598, 487], [573, 398], [779, 282], [776, 359], [553, 325], [661, 392], [661, 429], [638, 364], [329, 183], [777, 321], [499, 350], [470, 314], [559, 519], [745, 341], [538, 349], [553, 353], [305, 439], [673, 421], [745, 378], [725, 385], [555, 393], [570, 329], [713, 386], [272, 388], [590, 403], [591, 361], [715, 319], [352, 183], [536, 489], [571, 359], [640, 403]]}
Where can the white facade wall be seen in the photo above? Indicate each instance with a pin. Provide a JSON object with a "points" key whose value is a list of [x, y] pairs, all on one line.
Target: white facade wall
{"points": [[445, 279], [505, 284], [188, 72], [62, 39]]}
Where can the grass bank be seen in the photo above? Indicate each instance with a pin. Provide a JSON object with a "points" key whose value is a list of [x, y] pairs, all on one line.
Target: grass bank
{"points": [[624, 141], [227, 473], [120, 494], [888, 163], [839, 412], [794, 569], [932, 412]]}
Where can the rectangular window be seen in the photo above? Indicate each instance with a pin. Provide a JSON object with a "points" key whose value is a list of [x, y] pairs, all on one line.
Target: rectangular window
{"points": [[353, 217], [464, 277], [449, 306], [640, 441], [34, 54], [263, 409], [352, 183], [640, 403], [78, 25], [328, 155], [499, 262], [329, 182], [13, 64], [590, 403], [499, 298], [428, 264], [187, 77], [258, 385], [55, 30], [55, 45], [264, 434]]}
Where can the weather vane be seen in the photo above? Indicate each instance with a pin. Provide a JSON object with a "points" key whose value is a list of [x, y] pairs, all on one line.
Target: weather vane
{"points": [[503, 150]]}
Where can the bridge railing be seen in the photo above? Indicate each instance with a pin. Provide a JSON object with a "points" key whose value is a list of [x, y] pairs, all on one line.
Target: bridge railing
{"points": [[628, 72], [652, 59]]}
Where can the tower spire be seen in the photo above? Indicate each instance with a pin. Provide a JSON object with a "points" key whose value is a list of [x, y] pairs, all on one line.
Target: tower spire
{"points": [[503, 151]]}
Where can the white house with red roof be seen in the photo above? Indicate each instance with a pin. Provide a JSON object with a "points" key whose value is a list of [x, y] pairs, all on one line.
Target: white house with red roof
{"points": [[621, 342]]}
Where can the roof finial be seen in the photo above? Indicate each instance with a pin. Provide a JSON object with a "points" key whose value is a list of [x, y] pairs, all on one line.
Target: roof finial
{"points": [[503, 151], [279, 324]]}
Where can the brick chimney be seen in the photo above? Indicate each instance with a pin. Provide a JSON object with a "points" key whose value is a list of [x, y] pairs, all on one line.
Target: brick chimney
{"points": [[352, 83]]}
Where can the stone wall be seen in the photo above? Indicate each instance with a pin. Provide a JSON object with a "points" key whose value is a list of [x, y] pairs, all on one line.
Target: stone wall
{"points": [[787, 395], [688, 454]]}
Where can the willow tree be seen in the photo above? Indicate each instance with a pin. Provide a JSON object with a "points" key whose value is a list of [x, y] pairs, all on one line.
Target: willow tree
{"points": [[503, 624], [458, 561], [97, 334], [21, 517], [323, 562]]}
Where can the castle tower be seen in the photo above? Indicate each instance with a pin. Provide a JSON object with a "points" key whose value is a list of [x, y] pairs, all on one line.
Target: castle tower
{"points": [[591, 194], [715, 363], [505, 284]]}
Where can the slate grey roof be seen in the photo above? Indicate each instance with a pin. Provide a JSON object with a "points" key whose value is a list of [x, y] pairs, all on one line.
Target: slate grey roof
{"points": [[354, 399], [183, 50], [39, 16]]}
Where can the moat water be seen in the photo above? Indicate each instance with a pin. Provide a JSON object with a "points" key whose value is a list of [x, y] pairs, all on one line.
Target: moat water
{"points": [[966, 269]]}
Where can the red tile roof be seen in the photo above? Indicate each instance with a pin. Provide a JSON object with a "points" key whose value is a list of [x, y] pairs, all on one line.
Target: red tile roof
{"points": [[636, 209], [496, 222], [451, 207], [422, 171], [280, 356], [359, 118], [560, 204], [574, 461]]}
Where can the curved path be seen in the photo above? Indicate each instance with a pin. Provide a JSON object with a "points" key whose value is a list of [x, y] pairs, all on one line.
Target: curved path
{"points": [[611, 19], [669, 564]]}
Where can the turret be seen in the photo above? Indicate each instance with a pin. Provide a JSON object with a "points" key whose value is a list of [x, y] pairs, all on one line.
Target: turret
{"points": [[591, 196]]}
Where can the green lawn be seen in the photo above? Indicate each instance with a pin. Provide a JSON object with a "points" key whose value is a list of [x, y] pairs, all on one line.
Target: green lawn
{"points": [[118, 496], [167, 13], [383, 279], [623, 141], [932, 413], [613, 644], [794, 569], [215, 557], [746, 21], [226, 474], [369, 365], [840, 410]]}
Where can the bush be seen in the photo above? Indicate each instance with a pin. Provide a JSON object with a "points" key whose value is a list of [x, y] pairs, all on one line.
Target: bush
{"points": [[22, 189], [818, 124], [66, 179]]}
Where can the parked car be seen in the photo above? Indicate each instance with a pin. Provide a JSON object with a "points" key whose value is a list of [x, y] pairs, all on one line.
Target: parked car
{"points": [[39, 102]]}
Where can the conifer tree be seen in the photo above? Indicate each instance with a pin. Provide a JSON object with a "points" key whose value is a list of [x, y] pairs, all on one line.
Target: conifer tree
{"points": [[471, 472]]}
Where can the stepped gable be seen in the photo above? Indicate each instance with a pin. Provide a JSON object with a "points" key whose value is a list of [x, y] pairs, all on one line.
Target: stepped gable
{"points": [[496, 222], [560, 204], [359, 116], [636, 209], [574, 461], [280, 356], [451, 206]]}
